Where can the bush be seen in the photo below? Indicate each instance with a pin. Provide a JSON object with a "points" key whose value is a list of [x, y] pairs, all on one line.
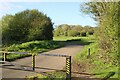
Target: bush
{"points": [[83, 33], [25, 26]]}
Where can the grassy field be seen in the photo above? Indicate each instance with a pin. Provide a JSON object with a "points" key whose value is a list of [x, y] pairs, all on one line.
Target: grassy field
{"points": [[30, 47], [37, 46], [98, 64], [75, 40], [65, 38]]}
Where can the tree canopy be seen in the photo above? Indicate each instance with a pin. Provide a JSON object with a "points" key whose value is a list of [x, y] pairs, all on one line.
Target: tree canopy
{"points": [[73, 30], [108, 17], [26, 26]]}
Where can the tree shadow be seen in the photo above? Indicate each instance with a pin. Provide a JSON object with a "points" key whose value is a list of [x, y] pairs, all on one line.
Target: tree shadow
{"points": [[29, 68], [74, 42]]}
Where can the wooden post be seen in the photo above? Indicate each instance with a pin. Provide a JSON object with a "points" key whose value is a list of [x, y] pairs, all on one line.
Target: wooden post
{"points": [[33, 62], [5, 56], [68, 68], [88, 53]]}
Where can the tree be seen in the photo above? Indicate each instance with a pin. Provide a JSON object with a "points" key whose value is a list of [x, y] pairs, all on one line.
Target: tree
{"points": [[4, 23], [29, 25], [62, 30], [72, 30], [107, 15]]}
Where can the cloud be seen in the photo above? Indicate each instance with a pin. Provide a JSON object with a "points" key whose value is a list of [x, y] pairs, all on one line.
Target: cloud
{"points": [[8, 5]]}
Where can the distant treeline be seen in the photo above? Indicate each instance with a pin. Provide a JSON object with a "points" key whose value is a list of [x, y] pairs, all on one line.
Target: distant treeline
{"points": [[73, 30]]}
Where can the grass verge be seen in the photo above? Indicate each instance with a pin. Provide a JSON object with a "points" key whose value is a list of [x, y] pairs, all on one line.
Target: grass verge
{"points": [[99, 66], [33, 46], [57, 75]]}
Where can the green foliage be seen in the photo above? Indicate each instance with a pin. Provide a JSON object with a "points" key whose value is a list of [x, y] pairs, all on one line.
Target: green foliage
{"points": [[4, 26], [73, 30], [99, 64], [56, 75], [105, 60], [107, 15], [84, 53], [33, 46], [73, 33], [63, 38], [83, 33], [25, 26]]}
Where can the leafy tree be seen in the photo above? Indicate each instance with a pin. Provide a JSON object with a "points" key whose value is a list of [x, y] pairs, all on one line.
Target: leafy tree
{"points": [[73, 30], [4, 23], [58, 31], [62, 30], [65, 29], [29, 25], [107, 15]]}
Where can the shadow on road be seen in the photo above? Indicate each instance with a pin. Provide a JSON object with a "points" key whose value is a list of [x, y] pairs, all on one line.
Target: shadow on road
{"points": [[29, 68]]}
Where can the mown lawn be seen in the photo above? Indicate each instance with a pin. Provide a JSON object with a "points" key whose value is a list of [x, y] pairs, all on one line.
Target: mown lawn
{"points": [[63, 38]]}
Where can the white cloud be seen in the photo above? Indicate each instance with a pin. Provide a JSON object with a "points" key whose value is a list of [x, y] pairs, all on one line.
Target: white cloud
{"points": [[8, 6]]}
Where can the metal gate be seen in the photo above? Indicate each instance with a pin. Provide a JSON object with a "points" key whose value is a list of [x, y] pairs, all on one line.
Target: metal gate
{"points": [[68, 60]]}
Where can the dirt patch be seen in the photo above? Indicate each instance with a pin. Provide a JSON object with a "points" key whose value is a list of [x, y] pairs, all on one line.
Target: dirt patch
{"points": [[81, 71]]}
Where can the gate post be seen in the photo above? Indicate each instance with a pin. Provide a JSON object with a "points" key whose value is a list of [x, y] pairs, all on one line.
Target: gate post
{"points": [[33, 62], [68, 68], [88, 53], [5, 56]]}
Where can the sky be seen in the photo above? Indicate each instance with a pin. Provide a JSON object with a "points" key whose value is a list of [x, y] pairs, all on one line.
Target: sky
{"points": [[59, 12]]}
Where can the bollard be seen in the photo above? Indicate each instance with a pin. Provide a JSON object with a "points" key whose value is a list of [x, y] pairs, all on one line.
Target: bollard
{"points": [[33, 62], [5, 57], [88, 53], [68, 68]]}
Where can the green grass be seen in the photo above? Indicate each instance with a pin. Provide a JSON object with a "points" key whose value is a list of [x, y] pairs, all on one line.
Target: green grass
{"points": [[33, 46], [56, 75], [41, 46], [63, 38], [98, 62], [75, 40]]}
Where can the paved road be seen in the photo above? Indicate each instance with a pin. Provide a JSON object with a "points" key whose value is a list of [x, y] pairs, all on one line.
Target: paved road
{"points": [[16, 69]]}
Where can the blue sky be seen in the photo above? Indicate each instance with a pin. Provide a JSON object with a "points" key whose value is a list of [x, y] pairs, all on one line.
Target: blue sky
{"points": [[59, 12]]}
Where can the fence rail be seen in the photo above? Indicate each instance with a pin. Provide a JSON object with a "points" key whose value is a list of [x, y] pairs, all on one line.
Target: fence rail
{"points": [[14, 52]]}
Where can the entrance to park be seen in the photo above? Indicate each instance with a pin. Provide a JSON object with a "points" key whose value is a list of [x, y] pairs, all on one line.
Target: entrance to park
{"points": [[33, 63]]}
